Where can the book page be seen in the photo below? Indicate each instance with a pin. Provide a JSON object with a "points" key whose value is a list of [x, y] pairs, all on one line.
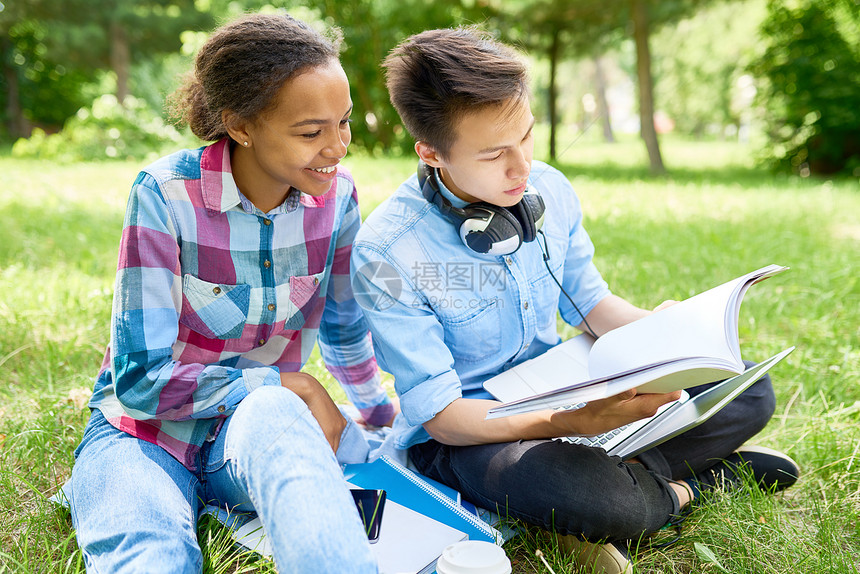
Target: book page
{"points": [[690, 343], [704, 325], [658, 379], [695, 327], [568, 366]]}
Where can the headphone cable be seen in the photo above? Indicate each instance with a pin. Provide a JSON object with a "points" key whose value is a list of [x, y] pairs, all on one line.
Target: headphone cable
{"points": [[545, 250]]}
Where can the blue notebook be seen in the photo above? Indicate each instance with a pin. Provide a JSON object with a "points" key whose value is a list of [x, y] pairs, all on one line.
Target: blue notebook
{"points": [[419, 493]]}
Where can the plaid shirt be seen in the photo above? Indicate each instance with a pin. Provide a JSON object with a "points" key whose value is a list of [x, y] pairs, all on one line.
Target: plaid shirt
{"points": [[214, 298]]}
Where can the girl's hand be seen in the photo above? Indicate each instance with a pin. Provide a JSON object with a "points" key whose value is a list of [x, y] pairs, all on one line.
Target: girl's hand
{"points": [[395, 403], [320, 404]]}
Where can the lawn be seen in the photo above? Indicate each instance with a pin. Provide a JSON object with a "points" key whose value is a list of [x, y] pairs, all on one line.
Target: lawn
{"points": [[713, 218]]}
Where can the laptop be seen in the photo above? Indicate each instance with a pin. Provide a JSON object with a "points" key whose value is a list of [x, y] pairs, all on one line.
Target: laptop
{"points": [[677, 417]]}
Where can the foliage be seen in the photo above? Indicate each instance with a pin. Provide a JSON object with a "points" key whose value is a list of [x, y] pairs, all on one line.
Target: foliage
{"points": [[559, 28], [556, 30], [811, 96], [106, 130], [49, 91], [371, 28], [54, 53], [699, 64]]}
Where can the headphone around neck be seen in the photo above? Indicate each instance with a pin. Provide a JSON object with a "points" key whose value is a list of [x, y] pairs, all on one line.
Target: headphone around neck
{"points": [[484, 227]]}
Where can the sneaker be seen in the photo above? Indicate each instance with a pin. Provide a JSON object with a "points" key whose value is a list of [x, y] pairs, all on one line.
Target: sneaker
{"points": [[610, 558], [771, 470]]}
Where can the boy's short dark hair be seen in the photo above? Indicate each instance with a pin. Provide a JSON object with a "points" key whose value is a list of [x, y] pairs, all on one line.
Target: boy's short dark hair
{"points": [[437, 76]]}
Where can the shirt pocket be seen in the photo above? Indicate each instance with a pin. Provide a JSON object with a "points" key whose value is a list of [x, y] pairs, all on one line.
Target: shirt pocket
{"points": [[303, 299], [215, 310], [475, 336]]}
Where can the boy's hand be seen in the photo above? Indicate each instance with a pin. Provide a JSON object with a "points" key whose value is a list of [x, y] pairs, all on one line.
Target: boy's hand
{"points": [[320, 404], [610, 413]]}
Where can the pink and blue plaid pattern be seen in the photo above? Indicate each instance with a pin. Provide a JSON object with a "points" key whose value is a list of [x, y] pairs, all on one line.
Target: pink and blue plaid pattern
{"points": [[214, 298]]}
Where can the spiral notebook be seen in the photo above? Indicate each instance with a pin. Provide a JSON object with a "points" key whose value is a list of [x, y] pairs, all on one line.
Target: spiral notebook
{"points": [[422, 495]]}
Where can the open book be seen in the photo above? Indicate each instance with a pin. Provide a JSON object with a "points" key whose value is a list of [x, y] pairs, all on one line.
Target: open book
{"points": [[690, 343]]}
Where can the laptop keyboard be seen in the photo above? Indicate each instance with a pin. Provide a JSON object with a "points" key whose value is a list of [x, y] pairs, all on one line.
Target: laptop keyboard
{"points": [[604, 440], [610, 439]]}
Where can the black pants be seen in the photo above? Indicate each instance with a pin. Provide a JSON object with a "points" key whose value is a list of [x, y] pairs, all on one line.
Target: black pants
{"points": [[576, 489]]}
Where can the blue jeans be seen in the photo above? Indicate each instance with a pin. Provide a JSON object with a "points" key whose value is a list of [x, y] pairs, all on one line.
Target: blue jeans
{"points": [[577, 489], [135, 507]]}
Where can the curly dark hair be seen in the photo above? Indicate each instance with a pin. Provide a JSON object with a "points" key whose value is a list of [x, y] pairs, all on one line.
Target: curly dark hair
{"points": [[437, 76], [243, 65]]}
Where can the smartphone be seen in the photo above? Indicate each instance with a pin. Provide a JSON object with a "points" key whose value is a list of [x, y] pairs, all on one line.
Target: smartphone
{"points": [[370, 504]]}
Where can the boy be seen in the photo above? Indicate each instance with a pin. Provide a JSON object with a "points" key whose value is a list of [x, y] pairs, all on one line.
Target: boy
{"points": [[460, 274]]}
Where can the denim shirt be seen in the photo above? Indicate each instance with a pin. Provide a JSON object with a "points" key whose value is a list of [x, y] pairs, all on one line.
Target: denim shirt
{"points": [[444, 318]]}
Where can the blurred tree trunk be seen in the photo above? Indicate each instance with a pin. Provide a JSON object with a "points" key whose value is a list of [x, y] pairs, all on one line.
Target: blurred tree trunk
{"points": [[639, 12], [17, 124], [552, 92], [602, 104], [120, 59]]}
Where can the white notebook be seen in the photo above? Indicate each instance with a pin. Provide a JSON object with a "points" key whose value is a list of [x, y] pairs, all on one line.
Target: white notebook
{"points": [[409, 542]]}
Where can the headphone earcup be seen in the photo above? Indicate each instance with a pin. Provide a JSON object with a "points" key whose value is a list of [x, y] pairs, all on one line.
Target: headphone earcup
{"points": [[490, 229], [529, 211]]}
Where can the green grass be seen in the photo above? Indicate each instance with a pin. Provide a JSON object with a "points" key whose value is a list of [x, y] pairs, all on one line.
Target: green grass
{"points": [[713, 218]]}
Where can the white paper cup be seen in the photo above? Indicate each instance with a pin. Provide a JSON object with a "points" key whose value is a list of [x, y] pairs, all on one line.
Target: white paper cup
{"points": [[473, 557]]}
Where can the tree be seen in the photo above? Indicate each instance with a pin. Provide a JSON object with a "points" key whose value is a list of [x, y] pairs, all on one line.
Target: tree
{"points": [[559, 28], [811, 86], [700, 66], [641, 33], [37, 87], [556, 30], [602, 104], [644, 17], [112, 34], [51, 49], [371, 28]]}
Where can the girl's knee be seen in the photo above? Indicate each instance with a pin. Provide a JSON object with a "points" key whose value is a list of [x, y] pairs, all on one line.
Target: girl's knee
{"points": [[270, 402], [270, 414]]}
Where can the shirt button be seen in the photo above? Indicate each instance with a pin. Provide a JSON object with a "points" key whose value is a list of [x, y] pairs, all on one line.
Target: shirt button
{"points": [[267, 263], [262, 342], [526, 305], [221, 408], [216, 290], [316, 281], [509, 261], [271, 307], [267, 221]]}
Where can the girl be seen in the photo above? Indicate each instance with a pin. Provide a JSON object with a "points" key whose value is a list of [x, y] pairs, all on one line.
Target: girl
{"points": [[234, 258]]}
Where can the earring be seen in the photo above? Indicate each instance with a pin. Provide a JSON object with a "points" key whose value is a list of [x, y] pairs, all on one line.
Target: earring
{"points": [[245, 144]]}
